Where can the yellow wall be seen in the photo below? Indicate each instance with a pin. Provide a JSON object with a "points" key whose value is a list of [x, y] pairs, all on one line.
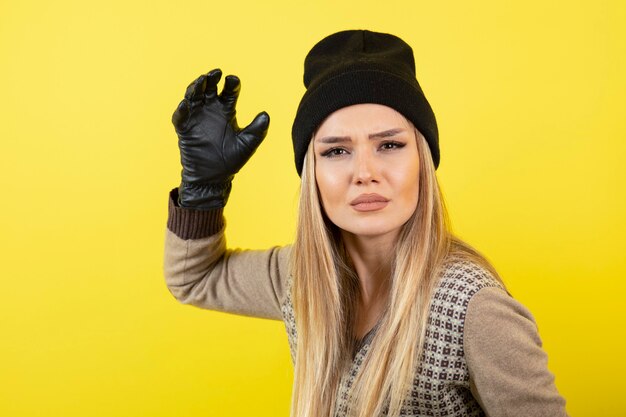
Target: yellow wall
{"points": [[530, 99]]}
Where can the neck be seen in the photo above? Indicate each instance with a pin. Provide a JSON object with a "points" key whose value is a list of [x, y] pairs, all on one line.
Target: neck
{"points": [[372, 259]]}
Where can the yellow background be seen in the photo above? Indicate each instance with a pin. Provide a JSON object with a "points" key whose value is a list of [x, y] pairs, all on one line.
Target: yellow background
{"points": [[530, 100]]}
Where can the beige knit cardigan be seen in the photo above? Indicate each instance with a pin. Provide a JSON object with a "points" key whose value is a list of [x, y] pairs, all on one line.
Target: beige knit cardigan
{"points": [[482, 353]]}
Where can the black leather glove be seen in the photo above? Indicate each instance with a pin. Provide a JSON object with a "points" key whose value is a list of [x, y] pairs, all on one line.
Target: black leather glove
{"points": [[212, 146]]}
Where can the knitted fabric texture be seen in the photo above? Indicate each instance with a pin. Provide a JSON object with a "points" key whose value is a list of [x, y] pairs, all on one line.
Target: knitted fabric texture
{"points": [[355, 67], [441, 383]]}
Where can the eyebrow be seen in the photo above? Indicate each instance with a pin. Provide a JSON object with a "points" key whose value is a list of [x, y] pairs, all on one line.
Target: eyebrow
{"points": [[377, 135]]}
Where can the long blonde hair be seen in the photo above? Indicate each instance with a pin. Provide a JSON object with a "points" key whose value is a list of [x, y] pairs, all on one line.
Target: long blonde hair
{"points": [[324, 293]]}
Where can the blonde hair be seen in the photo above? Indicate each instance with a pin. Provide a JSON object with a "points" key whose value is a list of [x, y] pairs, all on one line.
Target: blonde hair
{"points": [[325, 289]]}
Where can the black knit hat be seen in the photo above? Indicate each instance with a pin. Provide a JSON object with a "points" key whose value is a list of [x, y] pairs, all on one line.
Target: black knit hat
{"points": [[360, 66]]}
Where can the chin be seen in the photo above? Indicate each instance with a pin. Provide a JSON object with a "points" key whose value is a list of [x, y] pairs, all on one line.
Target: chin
{"points": [[371, 229]]}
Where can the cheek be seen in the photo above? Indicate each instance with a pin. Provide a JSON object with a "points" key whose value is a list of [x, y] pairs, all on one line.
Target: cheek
{"points": [[408, 185], [327, 184]]}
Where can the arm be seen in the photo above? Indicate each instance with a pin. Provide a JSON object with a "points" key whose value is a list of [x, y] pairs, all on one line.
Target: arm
{"points": [[200, 271], [508, 368]]}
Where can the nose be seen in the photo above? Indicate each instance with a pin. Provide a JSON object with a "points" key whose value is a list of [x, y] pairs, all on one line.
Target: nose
{"points": [[365, 170]]}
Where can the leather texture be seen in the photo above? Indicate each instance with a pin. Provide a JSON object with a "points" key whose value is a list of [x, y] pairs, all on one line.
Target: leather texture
{"points": [[212, 146]]}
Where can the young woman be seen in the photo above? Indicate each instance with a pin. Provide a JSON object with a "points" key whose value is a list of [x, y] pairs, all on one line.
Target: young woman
{"points": [[387, 313]]}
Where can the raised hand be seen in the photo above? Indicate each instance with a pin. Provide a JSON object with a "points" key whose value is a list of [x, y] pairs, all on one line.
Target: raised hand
{"points": [[212, 146]]}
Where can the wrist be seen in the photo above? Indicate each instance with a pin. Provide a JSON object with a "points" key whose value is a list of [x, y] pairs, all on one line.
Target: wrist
{"points": [[192, 224], [203, 196]]}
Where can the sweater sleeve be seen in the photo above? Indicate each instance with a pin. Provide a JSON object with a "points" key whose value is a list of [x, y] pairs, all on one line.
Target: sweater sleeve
{"points": [[200, 271], [508, 368]]}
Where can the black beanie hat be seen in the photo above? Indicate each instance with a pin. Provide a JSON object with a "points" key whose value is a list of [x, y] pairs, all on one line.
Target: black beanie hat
{"points": [[360, 66]]}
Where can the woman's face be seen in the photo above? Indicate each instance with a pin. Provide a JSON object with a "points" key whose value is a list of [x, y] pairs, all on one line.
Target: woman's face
{"points": [[367, 169]]}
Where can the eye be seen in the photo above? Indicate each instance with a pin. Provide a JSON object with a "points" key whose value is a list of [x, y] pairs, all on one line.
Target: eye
{"points": [[334, 152], [390, 145]]}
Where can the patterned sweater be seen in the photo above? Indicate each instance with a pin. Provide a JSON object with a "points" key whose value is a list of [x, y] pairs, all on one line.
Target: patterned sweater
{"points": [[482, 353]]}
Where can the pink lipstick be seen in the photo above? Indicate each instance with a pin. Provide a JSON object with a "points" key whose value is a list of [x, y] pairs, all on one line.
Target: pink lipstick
{"points": [[369, 202]]}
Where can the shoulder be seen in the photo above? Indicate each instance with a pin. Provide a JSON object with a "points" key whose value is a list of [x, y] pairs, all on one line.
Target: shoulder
{"points": [[485, 296], [483, 303], [464, 278], [459, 280], [494, 315]]}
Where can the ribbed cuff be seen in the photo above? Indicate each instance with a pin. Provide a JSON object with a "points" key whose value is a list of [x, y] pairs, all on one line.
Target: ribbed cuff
{"points": [[188, 223]]}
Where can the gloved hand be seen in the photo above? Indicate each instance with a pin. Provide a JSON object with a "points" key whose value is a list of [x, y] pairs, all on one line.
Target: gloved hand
{"points": [[212, 146]]}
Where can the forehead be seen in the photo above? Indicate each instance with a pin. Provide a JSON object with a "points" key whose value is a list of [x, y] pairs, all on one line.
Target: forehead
{"points": [[361, 118]]}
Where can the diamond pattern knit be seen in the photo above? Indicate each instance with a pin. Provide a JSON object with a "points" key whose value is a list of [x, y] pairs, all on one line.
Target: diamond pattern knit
{"points": [[441, 383]]}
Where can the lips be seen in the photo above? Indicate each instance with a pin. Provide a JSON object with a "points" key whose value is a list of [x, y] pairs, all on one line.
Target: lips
{"points": [[369, 202]]}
